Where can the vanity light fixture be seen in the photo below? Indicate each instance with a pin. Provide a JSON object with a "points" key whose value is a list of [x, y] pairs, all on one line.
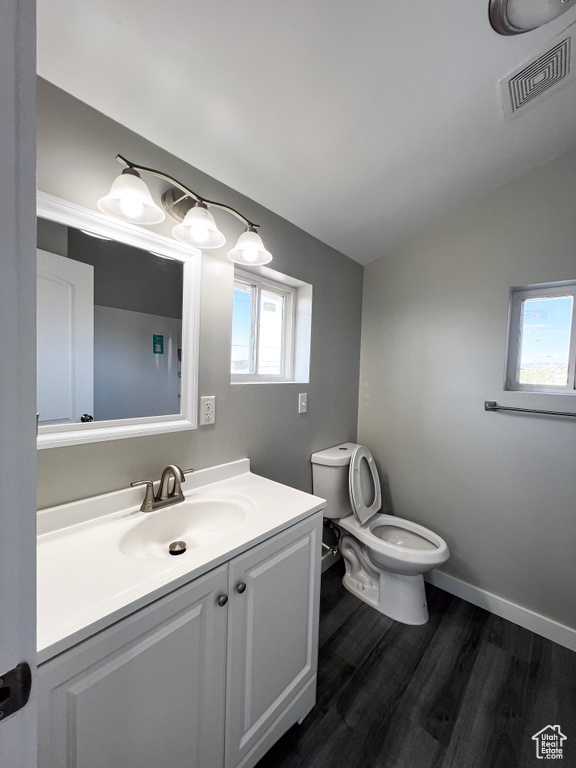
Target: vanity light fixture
{"points": [[130, 200], [514, 17]]}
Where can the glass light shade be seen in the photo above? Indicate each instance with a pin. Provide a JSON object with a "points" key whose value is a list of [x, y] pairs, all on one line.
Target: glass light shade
{"points": [[199, 229], [129, 199], [249, 250], [513, 17]]}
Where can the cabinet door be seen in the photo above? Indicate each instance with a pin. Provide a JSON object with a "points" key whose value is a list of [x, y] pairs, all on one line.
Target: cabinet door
{"points": [[146, 693], [272, 632]]}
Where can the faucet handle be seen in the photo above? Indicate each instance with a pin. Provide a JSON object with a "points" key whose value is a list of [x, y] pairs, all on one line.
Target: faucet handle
{"points": [[148, 503]]}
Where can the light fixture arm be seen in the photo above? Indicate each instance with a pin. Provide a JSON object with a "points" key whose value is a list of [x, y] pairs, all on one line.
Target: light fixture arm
{"points": [[187, 192]]}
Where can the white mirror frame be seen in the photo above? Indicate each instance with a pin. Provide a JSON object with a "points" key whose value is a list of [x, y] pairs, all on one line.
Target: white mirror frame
{"points": [[70, 214]]}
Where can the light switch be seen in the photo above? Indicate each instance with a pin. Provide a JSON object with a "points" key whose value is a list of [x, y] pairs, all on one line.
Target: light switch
{"points": [[303, 402]]}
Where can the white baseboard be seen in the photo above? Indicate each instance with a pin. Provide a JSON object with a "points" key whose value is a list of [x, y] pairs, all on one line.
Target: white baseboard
{"points": [[535, 622]]}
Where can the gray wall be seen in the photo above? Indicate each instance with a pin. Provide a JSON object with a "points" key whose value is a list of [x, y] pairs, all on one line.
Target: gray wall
{"points": [[500, 488], [129, 278], [130, 379], [76, 151]]}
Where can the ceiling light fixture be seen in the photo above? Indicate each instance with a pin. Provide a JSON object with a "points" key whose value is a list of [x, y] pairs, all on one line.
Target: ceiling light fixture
{"points": [[130, 200], [514, 17]]}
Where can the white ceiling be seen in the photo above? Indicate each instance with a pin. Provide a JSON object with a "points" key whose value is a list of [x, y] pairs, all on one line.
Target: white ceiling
{"points": [[361, 121]]}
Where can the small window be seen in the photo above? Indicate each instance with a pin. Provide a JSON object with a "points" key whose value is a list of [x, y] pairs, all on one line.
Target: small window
{"points": [[542, 339], [262, 329]]}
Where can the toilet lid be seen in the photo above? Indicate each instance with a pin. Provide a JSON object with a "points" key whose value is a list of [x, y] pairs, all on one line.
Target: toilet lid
{"points": [[364, 484]]}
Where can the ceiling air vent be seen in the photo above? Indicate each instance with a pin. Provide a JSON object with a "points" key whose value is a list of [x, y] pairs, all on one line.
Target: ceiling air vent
{"points": [[540, 74]]}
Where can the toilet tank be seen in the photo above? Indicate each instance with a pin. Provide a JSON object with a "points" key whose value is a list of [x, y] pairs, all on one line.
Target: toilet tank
{"points": [[330, 479]]}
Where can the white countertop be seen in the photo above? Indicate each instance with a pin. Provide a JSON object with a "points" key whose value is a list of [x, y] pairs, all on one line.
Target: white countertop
{"points": [[86, 582]]}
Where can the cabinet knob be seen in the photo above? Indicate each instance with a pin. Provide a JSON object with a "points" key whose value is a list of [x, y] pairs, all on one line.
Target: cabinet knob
{"points": [[241, 587], [222, 600]]}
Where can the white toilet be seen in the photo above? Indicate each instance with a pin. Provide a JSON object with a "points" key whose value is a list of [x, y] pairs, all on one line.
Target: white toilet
{"points": [[385, 556]]}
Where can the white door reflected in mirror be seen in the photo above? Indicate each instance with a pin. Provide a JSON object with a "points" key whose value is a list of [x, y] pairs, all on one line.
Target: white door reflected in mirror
{"points": [[65, 338]]}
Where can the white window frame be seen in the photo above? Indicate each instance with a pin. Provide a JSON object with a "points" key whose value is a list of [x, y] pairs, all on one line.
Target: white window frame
{"points": [[257, 283], [517, 298]]}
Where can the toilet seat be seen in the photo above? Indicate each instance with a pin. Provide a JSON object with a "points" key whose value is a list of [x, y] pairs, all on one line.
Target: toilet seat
{"points": [[363, 512], [399, 558]]}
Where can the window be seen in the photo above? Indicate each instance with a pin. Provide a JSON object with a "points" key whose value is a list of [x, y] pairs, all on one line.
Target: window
{"points": [[262, 329], [542, 339]]}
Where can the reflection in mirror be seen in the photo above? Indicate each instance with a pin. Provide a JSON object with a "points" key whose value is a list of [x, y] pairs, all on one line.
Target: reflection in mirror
{"points": [[109, 328], [118, 312]]}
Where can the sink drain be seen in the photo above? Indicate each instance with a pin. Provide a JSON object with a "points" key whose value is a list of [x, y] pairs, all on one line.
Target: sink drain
{"points": [[177, 548]]}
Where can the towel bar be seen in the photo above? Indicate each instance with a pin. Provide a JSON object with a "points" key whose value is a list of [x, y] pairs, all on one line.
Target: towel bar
{"points": [[492, 405]]}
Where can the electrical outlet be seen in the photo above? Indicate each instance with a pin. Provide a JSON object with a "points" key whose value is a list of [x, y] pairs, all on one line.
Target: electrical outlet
{"points": [[303, 402], [208, 409]]}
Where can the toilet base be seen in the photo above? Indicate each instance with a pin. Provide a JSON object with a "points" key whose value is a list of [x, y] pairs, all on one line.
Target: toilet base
{"points": [[400, 597]]}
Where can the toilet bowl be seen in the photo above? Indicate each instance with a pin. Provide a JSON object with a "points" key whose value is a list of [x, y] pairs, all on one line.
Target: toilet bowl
{"points": [[385, 556]]}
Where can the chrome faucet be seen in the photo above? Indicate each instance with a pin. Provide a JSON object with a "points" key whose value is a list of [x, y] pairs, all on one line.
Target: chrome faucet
{"points": [[165, 497]]}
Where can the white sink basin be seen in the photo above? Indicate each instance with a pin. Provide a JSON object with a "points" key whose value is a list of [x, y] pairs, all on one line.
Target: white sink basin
{"points": [[197, 522], [100, 558]]}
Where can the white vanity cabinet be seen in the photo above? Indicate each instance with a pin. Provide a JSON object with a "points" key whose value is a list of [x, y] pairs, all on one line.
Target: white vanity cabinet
{"points": [[146, 693], [193, 680], [272, 640]]}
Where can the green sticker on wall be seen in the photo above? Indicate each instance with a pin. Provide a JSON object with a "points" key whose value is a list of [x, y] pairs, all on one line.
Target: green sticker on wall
{"points": [[158, 344]]}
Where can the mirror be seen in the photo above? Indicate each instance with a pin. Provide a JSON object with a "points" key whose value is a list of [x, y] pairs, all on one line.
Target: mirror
{"points": [[117, 328]]}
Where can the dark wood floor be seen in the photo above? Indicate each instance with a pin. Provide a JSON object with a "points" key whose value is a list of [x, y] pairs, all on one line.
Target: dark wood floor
{"points": [[466, 690]]}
